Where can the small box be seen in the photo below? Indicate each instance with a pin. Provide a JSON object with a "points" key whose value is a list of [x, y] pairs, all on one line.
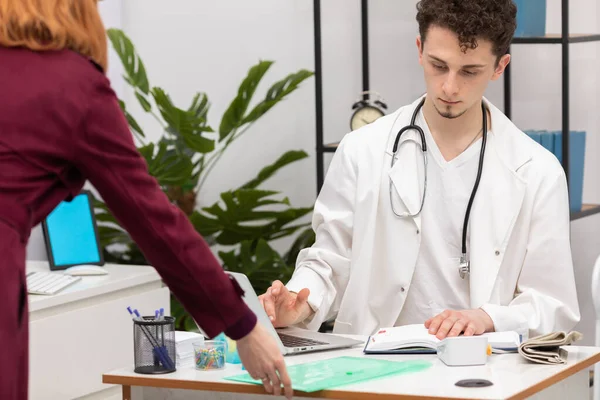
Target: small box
{"points": [[463, 350]]}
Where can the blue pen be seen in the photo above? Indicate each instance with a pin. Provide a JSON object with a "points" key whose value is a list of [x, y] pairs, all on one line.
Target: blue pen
{"points": [[161, 317], [133, 313]]}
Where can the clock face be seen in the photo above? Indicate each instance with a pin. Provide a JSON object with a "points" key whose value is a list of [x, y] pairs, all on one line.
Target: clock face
{"points": [[364, 116]]}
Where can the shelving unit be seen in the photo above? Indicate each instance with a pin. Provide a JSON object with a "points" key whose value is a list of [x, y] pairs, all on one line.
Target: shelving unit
{"points": [[323, 148], [564, 39]]}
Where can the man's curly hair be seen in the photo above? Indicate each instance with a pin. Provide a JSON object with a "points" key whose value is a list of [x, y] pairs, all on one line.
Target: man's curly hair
{"points": [[493, 20]]}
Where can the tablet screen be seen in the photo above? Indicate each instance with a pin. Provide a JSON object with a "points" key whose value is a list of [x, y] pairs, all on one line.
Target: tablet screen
{"points": [[71, 234]]}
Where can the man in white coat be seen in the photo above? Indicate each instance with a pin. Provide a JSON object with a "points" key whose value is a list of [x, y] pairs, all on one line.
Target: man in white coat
{"points": [[380, 261]]}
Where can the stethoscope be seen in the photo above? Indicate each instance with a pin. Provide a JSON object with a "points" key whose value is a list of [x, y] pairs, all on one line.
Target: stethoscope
{"points": [[464, 268]]}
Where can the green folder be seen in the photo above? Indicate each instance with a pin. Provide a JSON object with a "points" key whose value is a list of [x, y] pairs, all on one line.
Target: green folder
{"points": [[334, 372]]}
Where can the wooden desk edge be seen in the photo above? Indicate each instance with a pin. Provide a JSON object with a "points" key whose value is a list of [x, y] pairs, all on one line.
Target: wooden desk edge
{"points": [[570, 371], [328, 394], [251, 389]]}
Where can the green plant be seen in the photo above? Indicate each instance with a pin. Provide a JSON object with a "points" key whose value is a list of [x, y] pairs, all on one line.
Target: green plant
{"points": [[246, 218]]}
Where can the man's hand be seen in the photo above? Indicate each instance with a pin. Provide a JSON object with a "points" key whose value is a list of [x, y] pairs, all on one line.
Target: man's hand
{"points": [[283, 307], [452, 323]]}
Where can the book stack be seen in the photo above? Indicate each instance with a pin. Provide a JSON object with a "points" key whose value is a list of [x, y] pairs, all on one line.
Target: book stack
{"points": [[552, 140]]}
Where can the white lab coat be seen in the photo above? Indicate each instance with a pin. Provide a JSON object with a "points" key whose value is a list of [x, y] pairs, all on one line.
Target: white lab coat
{"points": [[359, 269]]}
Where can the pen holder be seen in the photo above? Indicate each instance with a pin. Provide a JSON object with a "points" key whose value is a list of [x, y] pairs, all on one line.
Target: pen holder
{"points": [[154, 345]]}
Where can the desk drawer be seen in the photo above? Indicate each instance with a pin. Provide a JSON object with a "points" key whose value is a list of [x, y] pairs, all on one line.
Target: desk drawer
{"points": [[69, 352]]}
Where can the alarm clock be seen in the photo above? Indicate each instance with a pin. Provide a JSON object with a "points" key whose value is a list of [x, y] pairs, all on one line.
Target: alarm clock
{"points": [[367, 111]]}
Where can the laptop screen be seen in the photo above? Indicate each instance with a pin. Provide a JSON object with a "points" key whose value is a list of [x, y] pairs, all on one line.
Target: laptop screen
{"points": [[71, 234]]}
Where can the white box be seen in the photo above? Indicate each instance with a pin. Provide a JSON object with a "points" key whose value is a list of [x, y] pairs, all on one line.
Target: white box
{"points": [[463, 350]]}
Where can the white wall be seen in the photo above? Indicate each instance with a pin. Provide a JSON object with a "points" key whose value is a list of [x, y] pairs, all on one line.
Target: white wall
{"points": [[201, 45], [112, 15]]}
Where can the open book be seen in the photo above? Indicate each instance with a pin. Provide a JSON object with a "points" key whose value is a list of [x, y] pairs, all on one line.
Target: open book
{"points": [[416, 339]]}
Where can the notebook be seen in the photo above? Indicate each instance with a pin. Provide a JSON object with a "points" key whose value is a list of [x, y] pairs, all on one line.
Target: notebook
{"points": [[415, 339]]}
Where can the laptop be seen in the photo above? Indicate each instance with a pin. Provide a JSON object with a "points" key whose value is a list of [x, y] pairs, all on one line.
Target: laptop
{"points": [[291, 340]]}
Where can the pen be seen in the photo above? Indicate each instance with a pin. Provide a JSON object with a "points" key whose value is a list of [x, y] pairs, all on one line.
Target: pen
{"points": [[162, 328]]}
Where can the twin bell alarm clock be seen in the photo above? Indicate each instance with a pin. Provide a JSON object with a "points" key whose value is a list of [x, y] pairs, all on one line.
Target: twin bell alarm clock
{"points": [[367, 110]]}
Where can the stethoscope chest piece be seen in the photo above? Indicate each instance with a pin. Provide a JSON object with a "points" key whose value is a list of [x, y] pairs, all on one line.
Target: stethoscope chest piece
{"points": [[464, 268]]}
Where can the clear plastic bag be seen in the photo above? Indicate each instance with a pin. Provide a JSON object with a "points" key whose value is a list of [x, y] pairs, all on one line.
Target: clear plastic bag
{"points": [[334, 372]]}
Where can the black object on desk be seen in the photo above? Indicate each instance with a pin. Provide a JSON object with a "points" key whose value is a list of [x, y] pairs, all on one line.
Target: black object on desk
{"points": [[154, 345], [474, 383]]}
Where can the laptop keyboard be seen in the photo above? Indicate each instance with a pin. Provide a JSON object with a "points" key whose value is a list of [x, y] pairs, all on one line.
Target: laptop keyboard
{"points": [[294, 341]]}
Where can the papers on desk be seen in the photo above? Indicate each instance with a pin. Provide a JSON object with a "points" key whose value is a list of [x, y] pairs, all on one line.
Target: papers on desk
{"points": [[415, 339], [546, 349], [184, 347]]}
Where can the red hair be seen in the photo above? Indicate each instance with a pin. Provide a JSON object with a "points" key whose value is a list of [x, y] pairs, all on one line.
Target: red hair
{"points": [[41, 25]]}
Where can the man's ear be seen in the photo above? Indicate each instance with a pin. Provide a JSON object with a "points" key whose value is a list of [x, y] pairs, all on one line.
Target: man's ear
{"points": [[420, 49], [502, 63]]}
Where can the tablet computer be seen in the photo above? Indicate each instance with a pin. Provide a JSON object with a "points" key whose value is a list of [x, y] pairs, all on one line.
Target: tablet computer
{"points": [[71, 234]]}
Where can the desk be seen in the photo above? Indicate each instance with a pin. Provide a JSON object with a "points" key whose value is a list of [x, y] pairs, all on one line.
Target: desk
{"points": [[85, 329], [513, 378]]}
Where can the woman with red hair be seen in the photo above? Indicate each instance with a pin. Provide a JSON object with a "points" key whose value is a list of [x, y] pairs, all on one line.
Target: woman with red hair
{"points": [[60, 125]]}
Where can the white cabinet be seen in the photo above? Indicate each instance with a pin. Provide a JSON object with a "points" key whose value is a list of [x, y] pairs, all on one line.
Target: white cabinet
{"points": [[85, 330]]}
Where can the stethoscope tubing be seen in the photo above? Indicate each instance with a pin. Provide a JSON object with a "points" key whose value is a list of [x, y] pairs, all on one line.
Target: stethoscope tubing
{"points": [[417, 128]]}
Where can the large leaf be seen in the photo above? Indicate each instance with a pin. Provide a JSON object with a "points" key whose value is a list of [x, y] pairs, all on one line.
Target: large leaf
{"points": [[276, 93], [251, 214], [167, 166], [187, 126], [242, 216], [143, 101], [135, 73], [270, 170], [234, 115], [200, 106], [204, 225]]}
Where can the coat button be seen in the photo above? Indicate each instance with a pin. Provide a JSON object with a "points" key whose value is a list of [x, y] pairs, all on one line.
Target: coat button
{"points": [[497, 252], [418, 231], [402, 289]]}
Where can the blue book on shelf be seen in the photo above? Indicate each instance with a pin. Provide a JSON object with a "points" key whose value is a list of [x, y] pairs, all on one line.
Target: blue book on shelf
{"points": [[535, 135], [531, 18], [576, 164], [547, 140]]}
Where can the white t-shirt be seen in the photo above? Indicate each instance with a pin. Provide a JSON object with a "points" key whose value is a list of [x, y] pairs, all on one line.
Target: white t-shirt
{"points": [[436, 284]]}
